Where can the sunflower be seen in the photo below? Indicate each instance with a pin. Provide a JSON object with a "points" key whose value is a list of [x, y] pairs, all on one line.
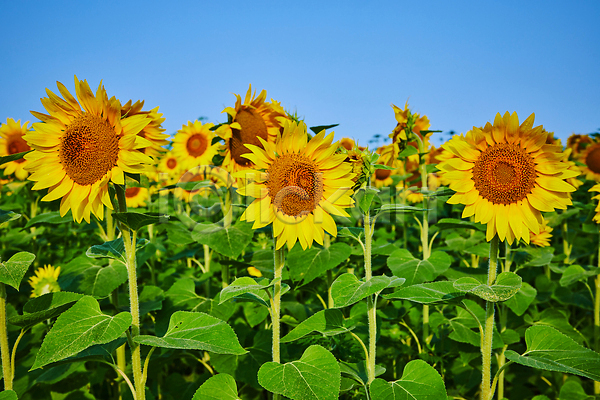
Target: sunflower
{"points": [[542, 239], [578, 143], [136, 196], [591, 158], [347, 143], [506, 176], [408, 123], [297, 185], [12, 142], [152, 135], [78, 152], [252, 122], [45, 281], [596, 188], [192, 145]]}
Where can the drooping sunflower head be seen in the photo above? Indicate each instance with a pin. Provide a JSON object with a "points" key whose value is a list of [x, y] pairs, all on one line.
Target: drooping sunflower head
{"points": [[77, 152], [297, 185], [192, 145], [506, 176], [251, 122], [12, 142], [45, 281], [152, 138], [408, 124]]}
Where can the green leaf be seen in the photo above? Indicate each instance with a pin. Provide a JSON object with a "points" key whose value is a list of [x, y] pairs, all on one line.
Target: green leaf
{"points": [[100, 281], [507, 285], [45, 307], [358, 371], [248, 289], [52, 218], [81, 326], [114, 249], [353, 232], [347, 289], [151, 299], [520, 302], [559, 320], [427, 293], [6, 216], [13, 157], [575, 273], [218, 387], [135, 220], [229, 242], [196, 331], [319, 128], [453, 223], [415, 271], [420, 381], [307, 265], [408, 151], [364, 197], [572, 390], [328, 322], [8, 395], [550, 350], [13, 270], [315, 376]]}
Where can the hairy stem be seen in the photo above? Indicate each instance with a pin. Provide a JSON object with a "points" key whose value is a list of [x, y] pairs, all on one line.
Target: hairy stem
{"points": [[486, 345], [4, 347], [371, 306]]}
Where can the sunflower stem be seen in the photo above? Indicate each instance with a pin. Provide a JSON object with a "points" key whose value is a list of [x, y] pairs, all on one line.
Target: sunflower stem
{"points": [[4, 347], [597, 320], [129, 241], [276, 300], [327, 244], [502, 319], [486, 347], [371, 306]]}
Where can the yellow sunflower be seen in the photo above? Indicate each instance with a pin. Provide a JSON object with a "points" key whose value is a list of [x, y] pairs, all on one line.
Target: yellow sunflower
{"points": [[78, 152], [136, 196], [542, 239], [596, 188], [408, 122], [506, 176], [45, 281], [297, 184], [347, 143], [591, 158], [213, 178], [252, 122], [192, 145], [578, 143], [153, 133], [12, 142]]}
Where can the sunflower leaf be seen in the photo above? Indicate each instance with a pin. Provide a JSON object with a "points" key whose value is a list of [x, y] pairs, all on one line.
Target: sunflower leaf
{"points": [[218, 387], [135, 220], [8, 395], [196, 331], [420, 381], [319, 128], [453, 223], [307, 265], [404, 265], [427, 293], [13, 157], [230, 241], [316, 376], [550, 350], [247, 288], [52, 217], [13, 270], [6, 216], [506, 286], [364, 197], [45, 307], [81, 326], [408, 151], [329, 322], [114, 249], [347, 289]]}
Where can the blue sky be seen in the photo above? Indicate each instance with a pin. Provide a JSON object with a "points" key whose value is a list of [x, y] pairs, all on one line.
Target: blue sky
{"points": [[341, 62]]}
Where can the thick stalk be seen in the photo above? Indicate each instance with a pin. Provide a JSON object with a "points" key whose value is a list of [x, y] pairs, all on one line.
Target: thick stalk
{"points": [[4, 347], [424, 227], [597, 320], [129, 241], [327, 244], [371, 306], [486, 345], [276, 301], [502, 323]]}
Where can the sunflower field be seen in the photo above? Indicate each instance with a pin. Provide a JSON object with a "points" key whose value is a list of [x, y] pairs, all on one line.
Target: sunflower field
{"points": [[259, 258]]}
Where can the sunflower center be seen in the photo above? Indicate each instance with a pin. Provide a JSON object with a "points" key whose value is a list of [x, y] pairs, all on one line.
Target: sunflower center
{"points": [[382, 174], [196, 145], [504, 173], [18, 145], [132, 191], [253, 127], [89, 149], [592, 160], [171, 163], [295, 184]]}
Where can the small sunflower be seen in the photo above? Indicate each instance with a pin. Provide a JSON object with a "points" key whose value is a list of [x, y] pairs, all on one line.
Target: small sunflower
{"points": [[297, 185], [578, 143], [347, 143], [251, 123], [136, 196], [153, 133], [591, 158], [78, 152], [506, 176], [192, 145], [542, 239], [596, 188], [408, 123], [45, 281], [12, 142]]}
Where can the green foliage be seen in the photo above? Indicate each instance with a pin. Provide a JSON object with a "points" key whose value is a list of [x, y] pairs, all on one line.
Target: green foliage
{"points": [[218, 387], [420, 381], [228, 241], [13, 270]]}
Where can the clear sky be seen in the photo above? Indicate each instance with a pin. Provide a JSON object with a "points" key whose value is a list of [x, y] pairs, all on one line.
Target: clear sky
{"points": [[345, 62]]}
